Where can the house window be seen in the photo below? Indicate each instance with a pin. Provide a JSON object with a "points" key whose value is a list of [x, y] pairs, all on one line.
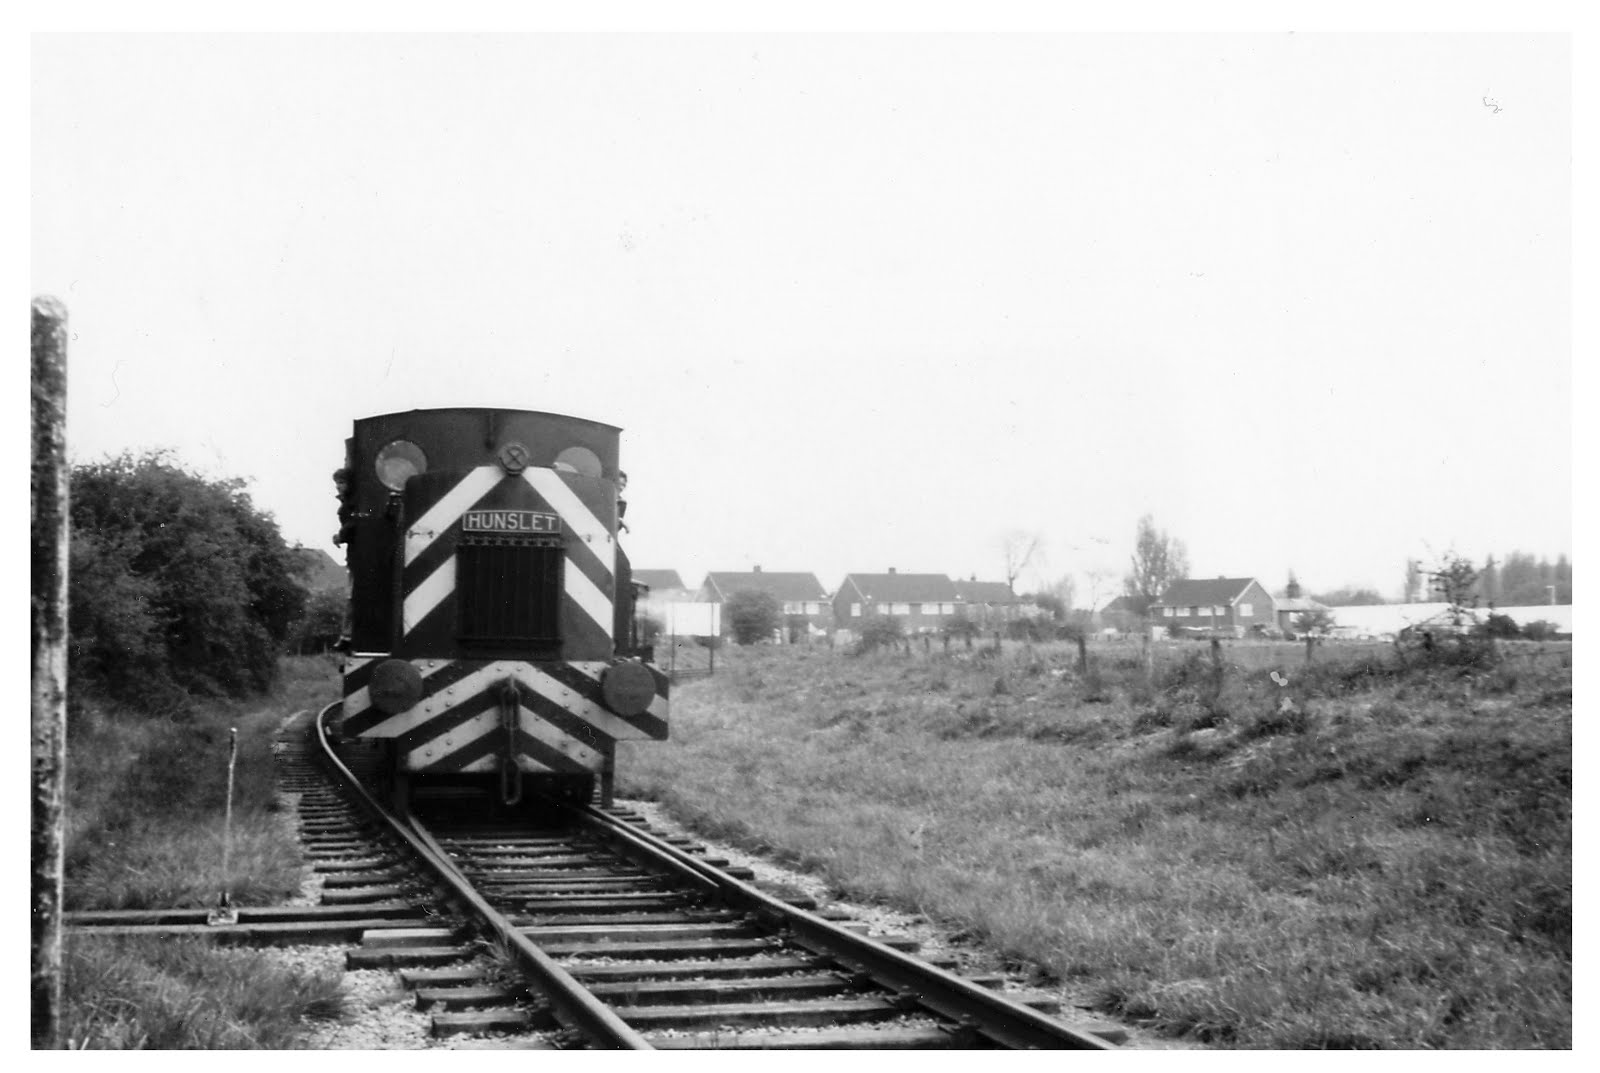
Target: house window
{"points": [[1244, 611], [902, 609], [855, 610], [947, 609], [1167, 611], [813, 608], [883, 609], [792, 608], [1183, 612]]}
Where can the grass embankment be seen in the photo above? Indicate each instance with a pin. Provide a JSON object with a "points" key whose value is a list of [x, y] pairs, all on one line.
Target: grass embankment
{"points": [[145, 810], [1368, 856]]}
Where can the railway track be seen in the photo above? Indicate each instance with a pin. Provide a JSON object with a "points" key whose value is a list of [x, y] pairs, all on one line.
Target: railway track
{"points": [[624, 939], [594, 931]]}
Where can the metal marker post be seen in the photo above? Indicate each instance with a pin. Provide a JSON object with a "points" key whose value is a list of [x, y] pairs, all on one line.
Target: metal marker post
{"points": [[225, 913]]}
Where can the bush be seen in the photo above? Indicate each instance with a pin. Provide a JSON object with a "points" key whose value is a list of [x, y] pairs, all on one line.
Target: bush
{"points": [[1500, 626], [753, 615], [1541, 631], [178, 584], [880, 632]]}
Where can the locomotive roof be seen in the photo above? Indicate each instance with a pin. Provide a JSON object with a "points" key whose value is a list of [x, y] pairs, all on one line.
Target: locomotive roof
{"points": [[486, 410]]}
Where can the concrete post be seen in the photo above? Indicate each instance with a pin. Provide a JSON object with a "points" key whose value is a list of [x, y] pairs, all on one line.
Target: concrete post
{"points": [[49, 695]]}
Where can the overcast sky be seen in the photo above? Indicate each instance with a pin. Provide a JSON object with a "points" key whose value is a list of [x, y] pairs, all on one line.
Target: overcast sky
{"points": [[856, 302]]}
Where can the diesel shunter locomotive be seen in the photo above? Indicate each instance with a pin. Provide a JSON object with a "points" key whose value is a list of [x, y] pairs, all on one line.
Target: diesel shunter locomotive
{"points": [[491, 640]]}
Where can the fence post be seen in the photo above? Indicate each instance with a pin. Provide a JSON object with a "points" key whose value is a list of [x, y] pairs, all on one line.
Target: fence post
{"points": [[1310, 641], [1083, 655], [49, 672]]}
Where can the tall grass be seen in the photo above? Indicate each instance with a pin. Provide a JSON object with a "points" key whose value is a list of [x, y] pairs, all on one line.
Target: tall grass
{"points": [[1350, 854], [146, 799], [186, 994]]}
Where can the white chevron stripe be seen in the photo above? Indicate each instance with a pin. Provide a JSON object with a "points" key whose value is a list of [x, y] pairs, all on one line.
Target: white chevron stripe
{"points": [[488, 676], [589, 599], [611, 725], [431, 752], [361, 699], [443, 514], [578, 517], [429, 595], [538, 729]]}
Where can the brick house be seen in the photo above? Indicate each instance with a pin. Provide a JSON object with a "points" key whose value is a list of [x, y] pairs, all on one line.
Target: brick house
{"points": [[806, 611], [922, 602], [989, 604], [1232, 605]]}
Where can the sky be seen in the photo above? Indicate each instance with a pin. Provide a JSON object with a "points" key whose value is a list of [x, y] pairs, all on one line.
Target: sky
{"points": [[857, 302]]}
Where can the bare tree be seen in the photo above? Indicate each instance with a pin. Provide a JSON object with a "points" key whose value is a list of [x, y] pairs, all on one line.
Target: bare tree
{"points": [[1065, 589], [1018, 549], [1158, 560], [1102, 582]]}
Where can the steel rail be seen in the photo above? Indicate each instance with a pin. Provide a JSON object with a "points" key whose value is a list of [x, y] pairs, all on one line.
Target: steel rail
{"points": [[970, 1005], [581, 1009]]}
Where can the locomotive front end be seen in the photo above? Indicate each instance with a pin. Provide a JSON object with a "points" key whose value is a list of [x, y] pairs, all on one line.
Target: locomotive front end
{"points": [[491, 604]]}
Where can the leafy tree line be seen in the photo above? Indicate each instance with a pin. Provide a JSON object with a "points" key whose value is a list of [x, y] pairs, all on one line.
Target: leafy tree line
{"points": [[178, 585]]}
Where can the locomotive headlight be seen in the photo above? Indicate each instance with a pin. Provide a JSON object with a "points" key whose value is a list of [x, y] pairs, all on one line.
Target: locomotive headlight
{"points": [[396, 686], [628, 687], [399, 462]]}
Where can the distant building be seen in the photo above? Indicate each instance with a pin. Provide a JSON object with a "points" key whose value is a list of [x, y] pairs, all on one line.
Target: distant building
{"points": [[1120, 614], [664, 585], [922, 602], [991, 604], [806, 612], [1289, 608], [1233, 605]]}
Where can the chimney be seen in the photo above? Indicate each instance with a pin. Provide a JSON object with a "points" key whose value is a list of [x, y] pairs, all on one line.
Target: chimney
{"points": [[757, 570], [891, 569]]}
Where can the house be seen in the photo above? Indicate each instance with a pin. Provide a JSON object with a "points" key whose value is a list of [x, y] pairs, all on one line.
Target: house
{"points": [[664, 585], [1290, 608], [1121, 614], [1233, 605], [990, 604], [922, 602], [806, 612], [673, 605]]}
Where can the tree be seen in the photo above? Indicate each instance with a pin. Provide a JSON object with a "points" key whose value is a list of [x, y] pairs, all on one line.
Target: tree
{"points": [[179, 585], [322, 623], [1158, 560], [1455, 580], [753, 615], [1313, 623], [1018, 549]]}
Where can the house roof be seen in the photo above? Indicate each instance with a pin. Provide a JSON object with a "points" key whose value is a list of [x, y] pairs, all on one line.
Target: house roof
{"points": [[903, 588], [1121, 603], [985, 592], [1298, 603], [317, 571], [1204, 592], [784, 586], [659, 580]]}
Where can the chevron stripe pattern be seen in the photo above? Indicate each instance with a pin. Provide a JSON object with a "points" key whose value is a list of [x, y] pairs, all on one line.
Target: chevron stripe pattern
{"points": [[428, 580], [563, 726]]}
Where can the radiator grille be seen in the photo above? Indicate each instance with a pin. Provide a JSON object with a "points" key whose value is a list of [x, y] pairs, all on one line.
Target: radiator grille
{"points": [[508, 589]]}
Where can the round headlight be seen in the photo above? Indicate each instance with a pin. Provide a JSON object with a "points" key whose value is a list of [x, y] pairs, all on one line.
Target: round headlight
{"points": [[628, 687], [579, 460], [396, 686], [399, 462]]}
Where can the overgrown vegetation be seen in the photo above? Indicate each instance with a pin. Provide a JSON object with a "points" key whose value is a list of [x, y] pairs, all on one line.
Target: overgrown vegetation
{"points": [[1251, 850], [753, 615], [178, 585], [186, 994], [146, 796]]}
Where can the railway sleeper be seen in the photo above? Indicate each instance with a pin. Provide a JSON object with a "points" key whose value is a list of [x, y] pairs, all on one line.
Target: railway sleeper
{"points": [[665, 951], [600, 924], [398, 957], [465, 997], [722, 968], [477, 1022], [745, 989], [817, 1014], [888, 1037], [623, 934]]}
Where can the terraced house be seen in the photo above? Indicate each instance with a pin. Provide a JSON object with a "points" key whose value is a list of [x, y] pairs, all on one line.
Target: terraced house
{"points": [[1227, 604], [922, 602], [806, 611]]}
